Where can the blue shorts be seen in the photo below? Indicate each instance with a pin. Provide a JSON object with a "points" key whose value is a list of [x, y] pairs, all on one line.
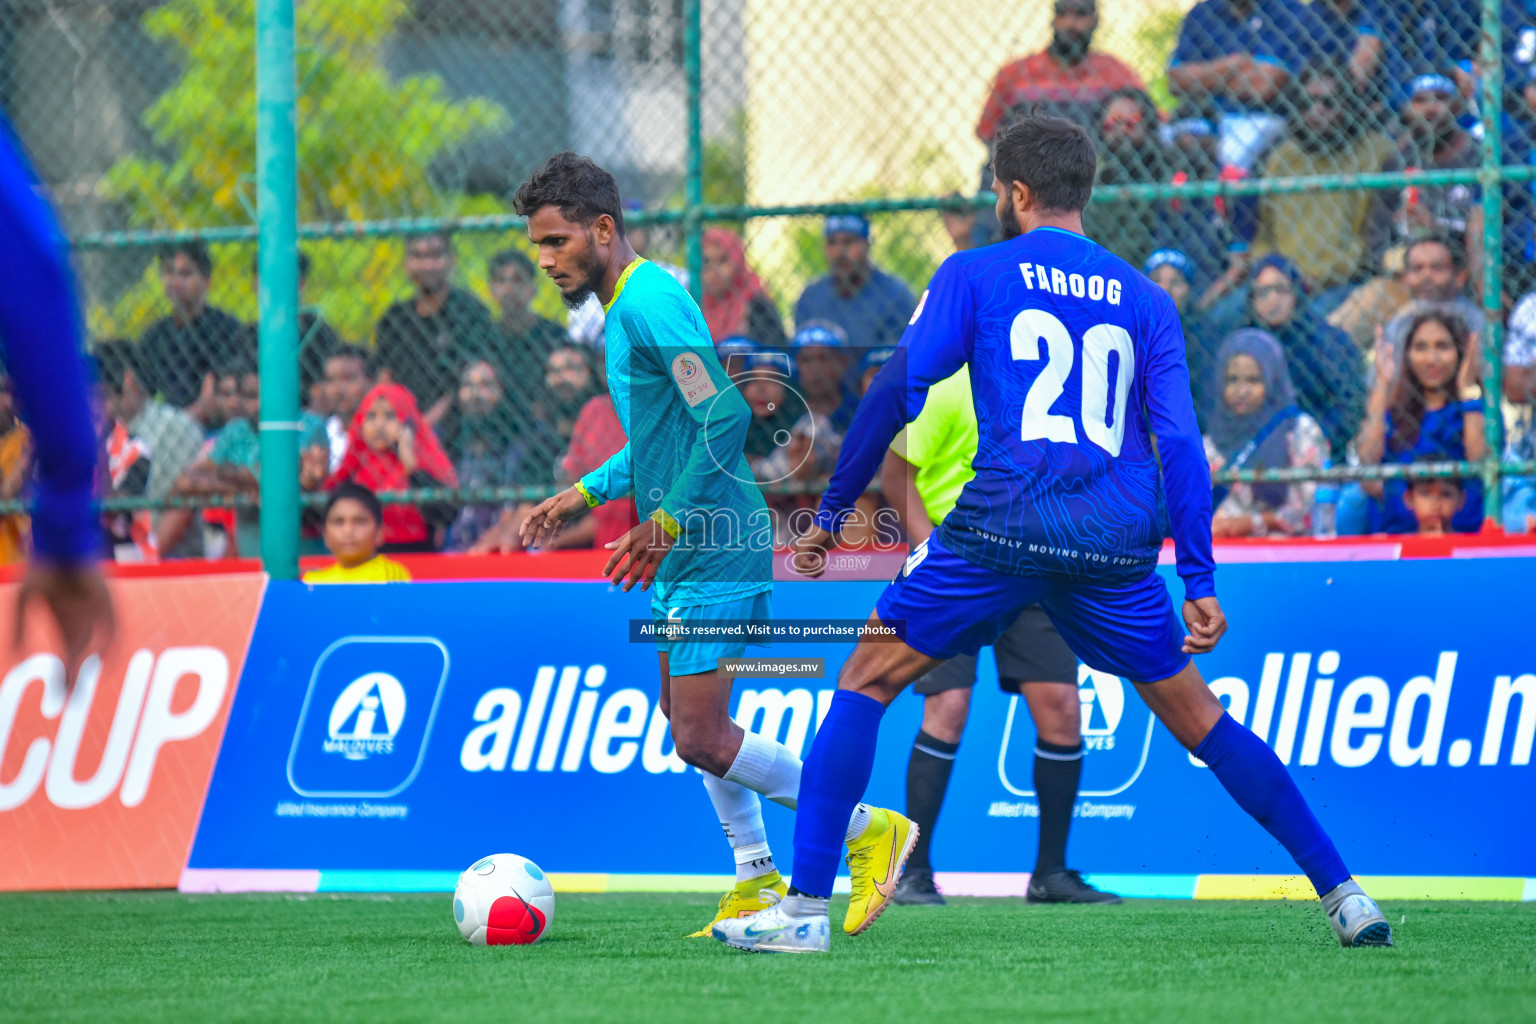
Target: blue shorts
{"points": [[952, 606], [691, 657]]}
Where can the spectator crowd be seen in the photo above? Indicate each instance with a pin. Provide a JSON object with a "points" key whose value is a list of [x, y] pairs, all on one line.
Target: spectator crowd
{"points": [[1326, 326]]}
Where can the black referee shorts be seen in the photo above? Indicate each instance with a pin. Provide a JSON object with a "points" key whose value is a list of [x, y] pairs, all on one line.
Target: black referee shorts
{"points": [[1029, 651]]}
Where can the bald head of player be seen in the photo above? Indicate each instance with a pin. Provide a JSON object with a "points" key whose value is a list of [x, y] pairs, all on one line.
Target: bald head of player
{"points": [[576, 219], [1043, 169]]}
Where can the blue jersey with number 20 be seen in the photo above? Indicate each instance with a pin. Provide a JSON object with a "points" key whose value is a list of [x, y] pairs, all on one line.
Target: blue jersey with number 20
{"points": [[1076, 361]]}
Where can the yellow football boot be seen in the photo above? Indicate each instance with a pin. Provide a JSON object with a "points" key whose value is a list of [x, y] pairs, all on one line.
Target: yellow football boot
{"points": [[875, 859], [747, 898]]}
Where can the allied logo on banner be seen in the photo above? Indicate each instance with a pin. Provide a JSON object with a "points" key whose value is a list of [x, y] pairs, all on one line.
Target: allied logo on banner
{"points": [[368, 716]]}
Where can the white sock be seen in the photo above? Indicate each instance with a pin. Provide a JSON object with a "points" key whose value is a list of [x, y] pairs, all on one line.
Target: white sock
{"points": [[741, 816], [767, 767], [857, 823]]}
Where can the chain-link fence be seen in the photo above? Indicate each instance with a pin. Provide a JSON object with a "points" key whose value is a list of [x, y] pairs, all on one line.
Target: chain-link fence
{"points": [[1323, 187]]}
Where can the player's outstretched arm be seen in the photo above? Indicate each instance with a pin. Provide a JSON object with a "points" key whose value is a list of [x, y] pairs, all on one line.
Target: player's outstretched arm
{"points": [[40, 324], [1186, 473], [1207, 624], [936, 343]]}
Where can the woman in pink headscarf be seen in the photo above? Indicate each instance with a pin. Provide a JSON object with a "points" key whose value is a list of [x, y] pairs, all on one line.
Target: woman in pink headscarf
{"points": [[736, 305]]}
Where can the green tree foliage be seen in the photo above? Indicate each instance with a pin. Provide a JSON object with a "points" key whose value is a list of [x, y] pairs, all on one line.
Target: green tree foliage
{"points": [[366, 143]]}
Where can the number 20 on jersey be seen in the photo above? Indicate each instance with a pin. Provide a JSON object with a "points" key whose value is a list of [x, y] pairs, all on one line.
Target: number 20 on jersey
{"points": [[1032, 326]]}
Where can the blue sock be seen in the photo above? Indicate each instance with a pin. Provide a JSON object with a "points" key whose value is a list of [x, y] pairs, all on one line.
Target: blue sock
{"points": [[832, 782], [1260, 784]]}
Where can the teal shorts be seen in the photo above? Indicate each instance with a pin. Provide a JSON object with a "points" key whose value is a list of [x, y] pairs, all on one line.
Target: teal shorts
{"points": [[689, 657]]}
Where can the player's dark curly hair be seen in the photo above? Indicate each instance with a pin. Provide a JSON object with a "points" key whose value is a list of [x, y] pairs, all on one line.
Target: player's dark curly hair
{"points": [[1053, 156], [575, 184]]}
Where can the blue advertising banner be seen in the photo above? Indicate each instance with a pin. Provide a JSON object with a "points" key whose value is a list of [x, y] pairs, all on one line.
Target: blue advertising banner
{"points": [[399, 732]]}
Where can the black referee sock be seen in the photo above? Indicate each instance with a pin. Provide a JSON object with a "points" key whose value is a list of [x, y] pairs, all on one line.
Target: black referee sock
{"points": [[1058, 770], [927, 780]]}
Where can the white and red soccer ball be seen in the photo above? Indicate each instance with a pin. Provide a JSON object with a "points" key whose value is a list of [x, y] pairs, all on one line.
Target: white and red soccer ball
{"points": [[503, 900]]}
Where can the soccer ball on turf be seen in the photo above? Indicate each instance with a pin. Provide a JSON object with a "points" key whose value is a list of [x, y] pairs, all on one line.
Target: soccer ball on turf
{"points": [[503, 900]]}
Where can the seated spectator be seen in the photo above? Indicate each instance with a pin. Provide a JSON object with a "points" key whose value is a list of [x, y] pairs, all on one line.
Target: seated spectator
{"points": [[1068, 78], [1214, 231], [1520, 491], [15, 470], [870, 365], [1256, 424], [1330, 235], [230, 467], [1520, 352], [1325, 367], [348, 377], [1364, 35], [1240, 55], [766, 388], [130, 535], [871, 306], [480, 436], [736, 304], [1435, 141], [1435, 271], [317, 340], [1175, 273], [422, 341], [571, 379], [1374, 302], [393, 448], [1431, 403], [178, 353], [1130, 152], [1435, 503], [524, 338], [822, 360], [173, 437], [354, 533]]}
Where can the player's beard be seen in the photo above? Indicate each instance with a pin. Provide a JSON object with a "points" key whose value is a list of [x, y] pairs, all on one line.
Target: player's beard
{"points": [[592, 270], [1008, 221]]}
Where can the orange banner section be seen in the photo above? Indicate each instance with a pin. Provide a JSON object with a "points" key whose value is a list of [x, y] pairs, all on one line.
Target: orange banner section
{"points": [[102, 789]]}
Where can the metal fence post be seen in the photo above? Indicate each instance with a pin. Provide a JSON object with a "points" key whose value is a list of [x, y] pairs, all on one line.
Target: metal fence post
{"points": [[1492, 57], [278, 267], [693, 69]]}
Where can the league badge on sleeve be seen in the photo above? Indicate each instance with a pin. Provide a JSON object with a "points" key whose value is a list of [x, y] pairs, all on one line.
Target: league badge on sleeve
{"points": [[692, 378]]}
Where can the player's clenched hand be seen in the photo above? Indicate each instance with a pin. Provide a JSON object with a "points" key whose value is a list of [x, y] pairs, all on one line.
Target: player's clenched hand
{"points": [[549, 516], [811, 552], [1206, 625], [638, 554], [81, 606]]}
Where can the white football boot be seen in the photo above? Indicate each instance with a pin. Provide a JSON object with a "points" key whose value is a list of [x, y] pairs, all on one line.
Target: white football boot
{"points": [[1355, 917], [797, 924]]}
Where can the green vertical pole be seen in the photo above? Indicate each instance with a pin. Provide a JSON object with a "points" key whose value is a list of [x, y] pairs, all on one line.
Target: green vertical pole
{"points": [[693, 69], [1492, 59], [278, 266]]}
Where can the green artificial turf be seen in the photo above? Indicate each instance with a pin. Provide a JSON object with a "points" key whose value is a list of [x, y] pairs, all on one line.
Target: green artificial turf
{"points": [[168, 957]]}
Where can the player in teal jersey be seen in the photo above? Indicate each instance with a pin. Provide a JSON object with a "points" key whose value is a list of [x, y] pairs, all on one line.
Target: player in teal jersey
{"points": [[705, 536]]}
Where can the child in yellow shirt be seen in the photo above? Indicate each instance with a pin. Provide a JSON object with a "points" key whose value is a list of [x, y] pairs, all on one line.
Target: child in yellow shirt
{"points": [[354, 529]]}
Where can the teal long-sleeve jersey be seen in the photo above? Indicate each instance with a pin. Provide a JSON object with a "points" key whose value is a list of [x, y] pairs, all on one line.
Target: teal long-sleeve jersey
{"points": [[686, 423]]}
